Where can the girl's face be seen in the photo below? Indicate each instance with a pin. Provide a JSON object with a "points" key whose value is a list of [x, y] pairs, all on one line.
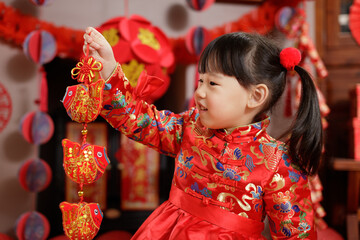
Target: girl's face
{"points": [[221, 101]]}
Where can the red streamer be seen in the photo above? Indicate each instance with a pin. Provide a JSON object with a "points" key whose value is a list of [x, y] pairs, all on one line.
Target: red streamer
{"points": [[15, 26]]}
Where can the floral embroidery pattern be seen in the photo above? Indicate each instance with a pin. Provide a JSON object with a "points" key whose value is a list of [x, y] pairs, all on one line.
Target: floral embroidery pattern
{"points": [[231, 174], [205, 192], [187, 161]]}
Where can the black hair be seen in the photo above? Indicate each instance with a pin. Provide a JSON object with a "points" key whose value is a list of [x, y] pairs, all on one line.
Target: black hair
{"points": [[253, 59]]}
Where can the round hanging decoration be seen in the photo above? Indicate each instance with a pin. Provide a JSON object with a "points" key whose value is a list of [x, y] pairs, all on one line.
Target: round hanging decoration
{"points": [[40, 46], [41, 2], [197, 39], [200, 5], [354, 20], [115, 234], [32, 226], [138, 46], [289, 20], [5, 237], [37, 127], [5, 107], [35, 175]]}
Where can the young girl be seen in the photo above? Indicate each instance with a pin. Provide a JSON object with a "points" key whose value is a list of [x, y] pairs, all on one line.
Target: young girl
{"points": [[229, 173]]}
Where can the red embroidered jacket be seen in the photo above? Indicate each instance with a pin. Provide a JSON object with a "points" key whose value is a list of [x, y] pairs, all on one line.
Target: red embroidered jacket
{"points": [[246, 172]]}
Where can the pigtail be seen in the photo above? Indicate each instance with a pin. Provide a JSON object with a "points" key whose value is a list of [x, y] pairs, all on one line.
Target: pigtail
{"points": [[306, 140]]}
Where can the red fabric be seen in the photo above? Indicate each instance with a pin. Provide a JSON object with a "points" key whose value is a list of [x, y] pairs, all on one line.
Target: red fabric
{"points": [[247, 172], [204, 209]]}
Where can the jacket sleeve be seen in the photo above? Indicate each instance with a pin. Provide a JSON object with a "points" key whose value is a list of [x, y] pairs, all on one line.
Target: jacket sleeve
{"points": [[140, 121], [288, 202]]}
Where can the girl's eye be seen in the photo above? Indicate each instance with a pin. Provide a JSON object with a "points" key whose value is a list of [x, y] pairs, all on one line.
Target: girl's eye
{"points": [[212, 83], [201, 81]]}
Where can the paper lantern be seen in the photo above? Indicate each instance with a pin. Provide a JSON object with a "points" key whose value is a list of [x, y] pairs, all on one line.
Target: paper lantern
{"points": [[197, 39], [116, 234], [40, 46], [41, 2], [139, 46], [37, 127], [200, 5], [32, 226], [35, 175]]}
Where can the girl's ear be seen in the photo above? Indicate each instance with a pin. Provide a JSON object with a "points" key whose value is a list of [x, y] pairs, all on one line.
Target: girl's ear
{"points": [[258, 96]]}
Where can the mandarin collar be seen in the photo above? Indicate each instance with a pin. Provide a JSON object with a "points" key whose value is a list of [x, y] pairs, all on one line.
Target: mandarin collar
{"points": [[245, 133]]}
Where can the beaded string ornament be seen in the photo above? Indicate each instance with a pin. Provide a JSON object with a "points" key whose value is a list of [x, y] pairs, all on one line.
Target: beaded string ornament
{"points": [[83, 163]]}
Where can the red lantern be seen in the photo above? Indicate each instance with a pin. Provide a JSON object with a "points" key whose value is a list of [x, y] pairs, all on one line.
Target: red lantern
{"points": [[35, 175], [32, 226], [139, 46], [40, 46], [200, 5], [37, 127]]}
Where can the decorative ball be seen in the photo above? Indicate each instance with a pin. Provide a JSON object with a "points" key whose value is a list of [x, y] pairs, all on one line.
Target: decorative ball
{"points": [[200, 5], [40, 46], [37, 127], [32, 226], [290, 57], [197, 39], [35, 175], [116, 234]]}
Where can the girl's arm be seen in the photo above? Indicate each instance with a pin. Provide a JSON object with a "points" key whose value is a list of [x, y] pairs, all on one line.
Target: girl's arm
{"points": [[288, 203], [139, 120]]}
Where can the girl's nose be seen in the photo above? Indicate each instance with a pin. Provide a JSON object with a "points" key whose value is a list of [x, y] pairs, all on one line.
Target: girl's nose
{"points": [[200, 92]]}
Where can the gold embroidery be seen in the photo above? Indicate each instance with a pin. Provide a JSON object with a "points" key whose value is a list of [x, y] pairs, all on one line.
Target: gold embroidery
{"points": [[276, 183]]}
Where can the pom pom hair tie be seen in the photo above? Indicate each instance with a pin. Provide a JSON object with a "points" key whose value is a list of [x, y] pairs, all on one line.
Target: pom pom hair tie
{"points": [[290, 57]]}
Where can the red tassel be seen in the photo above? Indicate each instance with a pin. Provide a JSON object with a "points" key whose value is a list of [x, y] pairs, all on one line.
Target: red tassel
{"points": [[43, 91]]}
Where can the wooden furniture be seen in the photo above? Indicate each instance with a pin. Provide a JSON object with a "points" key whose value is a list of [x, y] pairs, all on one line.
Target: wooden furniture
{"points": [[341, 55], [353, 192]]}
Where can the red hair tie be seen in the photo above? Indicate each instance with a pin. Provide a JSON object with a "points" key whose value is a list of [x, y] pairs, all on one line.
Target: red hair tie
{"points": [[290, 57]]}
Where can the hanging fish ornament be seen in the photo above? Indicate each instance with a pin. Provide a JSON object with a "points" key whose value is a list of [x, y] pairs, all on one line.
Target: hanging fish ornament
{"points": [[83, 102], [81, 220], [84, 164]]}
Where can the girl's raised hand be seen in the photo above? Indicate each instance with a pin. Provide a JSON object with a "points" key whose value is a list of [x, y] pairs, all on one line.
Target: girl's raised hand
{"points": [[100, 49]]}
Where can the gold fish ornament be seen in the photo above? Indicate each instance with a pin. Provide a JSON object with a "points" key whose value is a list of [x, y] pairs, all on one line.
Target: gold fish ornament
{"points": [[82, 220], [84, 164], [83, 101]]}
